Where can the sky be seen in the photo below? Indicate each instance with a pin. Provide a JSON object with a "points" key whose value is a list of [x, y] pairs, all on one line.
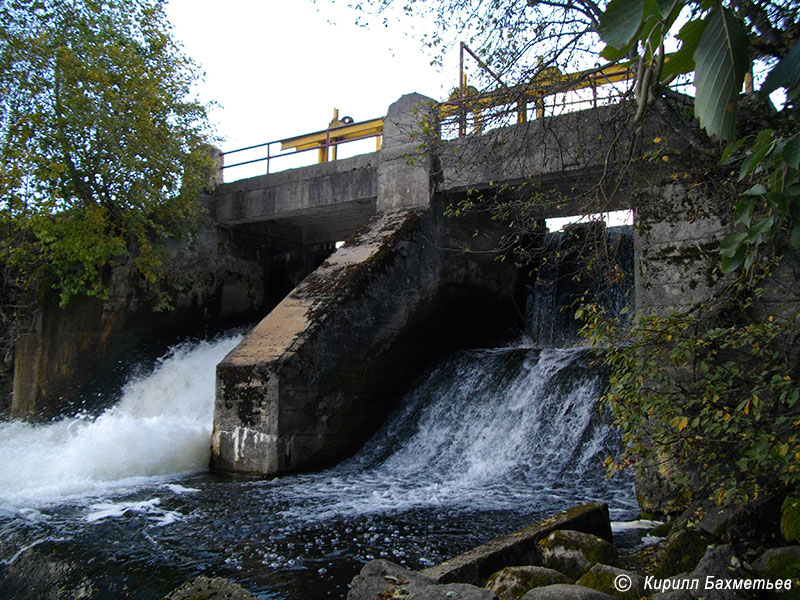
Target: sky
{"points": [[278, 68]]}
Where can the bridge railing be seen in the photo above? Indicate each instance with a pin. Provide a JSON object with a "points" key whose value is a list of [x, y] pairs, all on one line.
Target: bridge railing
{"points": [[550, 93], [326, 141]]}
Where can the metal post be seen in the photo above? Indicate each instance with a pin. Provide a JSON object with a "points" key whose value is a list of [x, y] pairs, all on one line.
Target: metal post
{"points": [[462, 89]]}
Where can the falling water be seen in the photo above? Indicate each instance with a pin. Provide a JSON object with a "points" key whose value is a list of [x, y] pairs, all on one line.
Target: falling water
{"points": [[487, 441]]}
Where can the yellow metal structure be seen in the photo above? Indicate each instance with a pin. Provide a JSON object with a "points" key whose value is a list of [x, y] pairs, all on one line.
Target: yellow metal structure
{"points": [[338, 132], [550, 81], [463, 100]]}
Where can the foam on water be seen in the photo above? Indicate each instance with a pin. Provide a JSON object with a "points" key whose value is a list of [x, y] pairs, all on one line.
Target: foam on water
{"points": [[494, 429], [160, 427], [486, 442]]}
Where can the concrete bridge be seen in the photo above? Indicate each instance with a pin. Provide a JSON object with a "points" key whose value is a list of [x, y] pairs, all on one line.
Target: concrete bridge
{"points": [[321, 371], [328, 201]]}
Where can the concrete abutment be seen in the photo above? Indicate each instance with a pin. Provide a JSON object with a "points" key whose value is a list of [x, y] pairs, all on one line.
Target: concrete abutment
{"points": [[319, 374]]}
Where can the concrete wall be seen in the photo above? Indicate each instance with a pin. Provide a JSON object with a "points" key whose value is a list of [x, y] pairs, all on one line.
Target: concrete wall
{"points": [[218, 282], [677, 248], [320, 373]]}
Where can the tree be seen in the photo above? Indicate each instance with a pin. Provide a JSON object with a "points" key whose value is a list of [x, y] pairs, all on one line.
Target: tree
{"points": [[101, 147]]}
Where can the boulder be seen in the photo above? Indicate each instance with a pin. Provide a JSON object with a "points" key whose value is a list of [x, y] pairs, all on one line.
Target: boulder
{"points": [[755, 523], [719, 563], [574, 553], [382, 577], [683, 550], [511, 583], [781, 563], [615, 582], [562, 591], [450, 591], [210, 588]]}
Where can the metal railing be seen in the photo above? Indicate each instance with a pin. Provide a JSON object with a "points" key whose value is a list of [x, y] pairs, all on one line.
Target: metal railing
{"points": [[325, 141], [503, 106]]}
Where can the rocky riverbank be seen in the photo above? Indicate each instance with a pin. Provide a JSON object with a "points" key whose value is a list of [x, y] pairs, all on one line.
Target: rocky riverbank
{"points": [[706, 553]]}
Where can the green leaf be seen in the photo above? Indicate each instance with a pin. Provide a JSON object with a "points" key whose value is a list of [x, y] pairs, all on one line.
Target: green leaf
{"points": [[731, 243], [754, 160], [730, 152], [791, 152], [760, 228], [757, 190], [786, 74], [743, 211], [620, 22], [682, 61], [794, 238], [612, 54], [731, 263], [721, 60]]}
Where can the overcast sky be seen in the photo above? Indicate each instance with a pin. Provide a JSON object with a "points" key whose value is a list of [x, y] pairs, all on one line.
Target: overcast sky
{"points": [[278, 68]]}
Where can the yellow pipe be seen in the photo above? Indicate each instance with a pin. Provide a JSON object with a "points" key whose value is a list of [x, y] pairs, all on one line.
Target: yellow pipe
{"points": [[339, 133], [542, 86]]}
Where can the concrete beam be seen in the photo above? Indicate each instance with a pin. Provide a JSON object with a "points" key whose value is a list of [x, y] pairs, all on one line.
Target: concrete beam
{"points": [[330, 199], [297, 393]]}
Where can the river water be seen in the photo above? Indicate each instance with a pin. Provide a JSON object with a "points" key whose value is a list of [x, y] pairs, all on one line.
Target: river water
{"points": [[486, 442]]}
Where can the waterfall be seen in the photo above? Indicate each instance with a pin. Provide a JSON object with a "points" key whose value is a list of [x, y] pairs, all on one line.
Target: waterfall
{"points": [[160, 427], [487, 441], [563, 278]]}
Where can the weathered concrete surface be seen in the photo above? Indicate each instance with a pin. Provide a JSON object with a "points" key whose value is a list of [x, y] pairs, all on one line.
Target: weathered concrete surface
{"points": [[328, 201], [521, 548], [320, 373], [677, 248], [571, 153], [405, 166], [213, 284]]}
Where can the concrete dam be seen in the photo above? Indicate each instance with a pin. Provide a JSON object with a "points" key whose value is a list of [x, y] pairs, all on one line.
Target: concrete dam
{"points": [[318, 375]]}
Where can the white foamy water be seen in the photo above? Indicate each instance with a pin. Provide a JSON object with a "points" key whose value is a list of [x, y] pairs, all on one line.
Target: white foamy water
{"points": [[160, 427], [494, 429]]}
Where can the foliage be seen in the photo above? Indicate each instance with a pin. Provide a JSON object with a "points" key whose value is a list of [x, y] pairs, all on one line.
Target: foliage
{"points": [[715, 44], [102, 150], [708, 392]]}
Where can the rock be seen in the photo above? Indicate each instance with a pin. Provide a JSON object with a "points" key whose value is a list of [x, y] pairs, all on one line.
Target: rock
{"points": [[573, 553], [381, 576], [521, 547], [47, 572], [790, 519], [781, 564], [562, 591], [511, 583], [682, 551], [662, 530], [755, 523], [719, 563], [615, 582], [210, 588], [451, 591]]}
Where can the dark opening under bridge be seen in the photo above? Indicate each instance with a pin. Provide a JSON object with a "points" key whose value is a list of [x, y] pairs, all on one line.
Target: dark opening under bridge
{"points": [[320, 372]]}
